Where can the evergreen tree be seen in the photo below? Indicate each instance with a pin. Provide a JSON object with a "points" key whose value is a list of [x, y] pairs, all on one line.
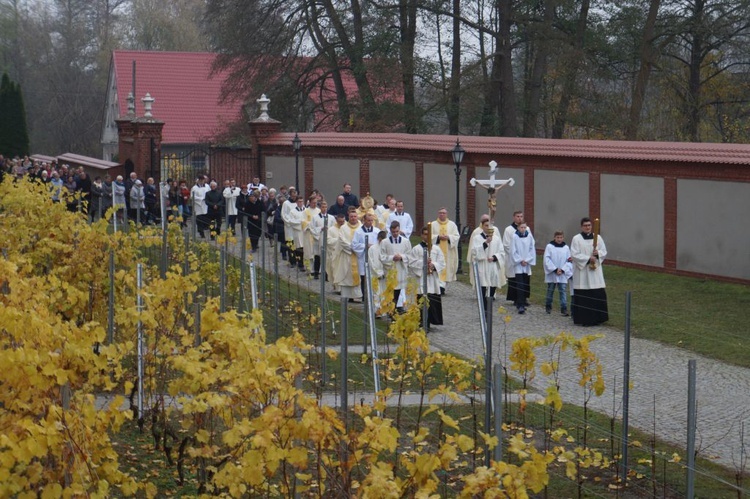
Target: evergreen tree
{"points": [[5, 113], [14, 136], [21, 135]]}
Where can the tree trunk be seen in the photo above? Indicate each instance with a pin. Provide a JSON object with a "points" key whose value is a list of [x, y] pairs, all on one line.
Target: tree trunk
{"points": [[329, 52], [641, 82], [507, 112], [354, 51], [539, 63], [489, 102], [693, 100], [407, 13], [454, 91], [569, 82]]}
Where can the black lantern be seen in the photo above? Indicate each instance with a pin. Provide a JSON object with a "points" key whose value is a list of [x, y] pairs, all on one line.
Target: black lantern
{"points": [[458, 156]]}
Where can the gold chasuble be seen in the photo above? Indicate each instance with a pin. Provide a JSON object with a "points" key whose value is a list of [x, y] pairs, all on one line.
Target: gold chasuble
{"points": [[443, 226], [353, 257]]}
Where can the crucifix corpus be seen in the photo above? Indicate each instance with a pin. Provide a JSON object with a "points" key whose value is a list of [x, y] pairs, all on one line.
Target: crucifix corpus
{"points": [[492, 185]]}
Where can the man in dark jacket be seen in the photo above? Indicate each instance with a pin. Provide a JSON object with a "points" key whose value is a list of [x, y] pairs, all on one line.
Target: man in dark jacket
{"points": [[339, 207], [215, 203], [349, 198]]}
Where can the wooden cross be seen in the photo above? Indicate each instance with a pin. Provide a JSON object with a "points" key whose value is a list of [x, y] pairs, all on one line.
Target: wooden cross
{"points": [[492, 185]]}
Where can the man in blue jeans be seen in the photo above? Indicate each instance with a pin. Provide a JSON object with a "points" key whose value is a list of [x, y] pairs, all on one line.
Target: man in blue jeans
{"points": [[558, 268]]}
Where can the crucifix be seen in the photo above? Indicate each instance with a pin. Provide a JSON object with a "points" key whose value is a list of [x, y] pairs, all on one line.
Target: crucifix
{"points": [[492, 185]]}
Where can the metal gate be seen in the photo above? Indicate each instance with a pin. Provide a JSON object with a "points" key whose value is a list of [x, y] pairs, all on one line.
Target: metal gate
{"points": [[219, 163]]}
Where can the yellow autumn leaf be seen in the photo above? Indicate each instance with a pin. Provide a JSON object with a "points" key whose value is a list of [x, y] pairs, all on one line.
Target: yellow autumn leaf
{"points": [[448, 421]]}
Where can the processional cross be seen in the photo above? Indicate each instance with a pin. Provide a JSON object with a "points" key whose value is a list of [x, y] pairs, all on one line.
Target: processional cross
{"points": [[492, 185]]}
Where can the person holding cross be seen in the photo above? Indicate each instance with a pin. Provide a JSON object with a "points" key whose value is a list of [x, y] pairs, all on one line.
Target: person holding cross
{"points": [[492, 185]]}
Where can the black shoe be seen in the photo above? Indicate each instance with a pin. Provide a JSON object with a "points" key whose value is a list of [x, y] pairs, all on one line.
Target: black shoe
{"points": [[316, 276], [548, 310], [565, 313]]}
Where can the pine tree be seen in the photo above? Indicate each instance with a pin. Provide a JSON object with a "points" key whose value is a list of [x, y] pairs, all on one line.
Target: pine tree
{"points": [[6, 114], [21, 138], [14, 135]]}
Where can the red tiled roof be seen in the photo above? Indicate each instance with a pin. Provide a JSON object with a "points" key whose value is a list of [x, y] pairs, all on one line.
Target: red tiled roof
{"points": [[186, 93], [606, 149]]}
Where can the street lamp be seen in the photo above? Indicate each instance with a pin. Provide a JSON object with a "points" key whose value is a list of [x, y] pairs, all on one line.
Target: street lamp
{"points": [[296, 144], [458, 156]]}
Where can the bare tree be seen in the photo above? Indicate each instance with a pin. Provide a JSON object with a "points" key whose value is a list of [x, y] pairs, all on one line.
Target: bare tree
{"points": [[647, 60], [709, 40]]}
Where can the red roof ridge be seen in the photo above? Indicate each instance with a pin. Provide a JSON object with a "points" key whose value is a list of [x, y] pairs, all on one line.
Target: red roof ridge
{"points": [[708, 152]]}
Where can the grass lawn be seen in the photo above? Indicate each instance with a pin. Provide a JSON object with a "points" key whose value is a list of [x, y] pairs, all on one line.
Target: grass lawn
{"points": [[707, 317]]}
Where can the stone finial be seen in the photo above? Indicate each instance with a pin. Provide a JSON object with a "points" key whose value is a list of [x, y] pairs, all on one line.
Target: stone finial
{"points": [[264, 102], [131, 104], [148, 101]]}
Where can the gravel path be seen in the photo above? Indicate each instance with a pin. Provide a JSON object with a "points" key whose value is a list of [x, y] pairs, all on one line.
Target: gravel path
{"points": [[658, 373]]}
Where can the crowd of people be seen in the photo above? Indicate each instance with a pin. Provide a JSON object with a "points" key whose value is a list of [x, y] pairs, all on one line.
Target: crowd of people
{"points": [[355, 231], [137, 199]]}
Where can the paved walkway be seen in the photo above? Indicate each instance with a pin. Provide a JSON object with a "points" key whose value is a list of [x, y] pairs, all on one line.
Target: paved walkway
{"points": [[658, 373]]}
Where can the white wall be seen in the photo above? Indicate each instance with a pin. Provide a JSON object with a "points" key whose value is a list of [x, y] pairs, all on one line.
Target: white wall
{"points": [[632, 218], [397, 178], [713, 227], [561, 199]]}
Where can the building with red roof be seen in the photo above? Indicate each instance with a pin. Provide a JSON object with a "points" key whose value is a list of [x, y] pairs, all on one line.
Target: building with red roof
{"points": [[187, 96]]}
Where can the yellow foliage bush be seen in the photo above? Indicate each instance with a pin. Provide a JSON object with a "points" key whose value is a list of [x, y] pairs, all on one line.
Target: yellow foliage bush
{"points": [[227, 397]]}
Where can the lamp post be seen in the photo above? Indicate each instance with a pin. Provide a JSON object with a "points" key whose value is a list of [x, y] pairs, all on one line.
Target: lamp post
{"points": [[296, 144], [458, 156]]}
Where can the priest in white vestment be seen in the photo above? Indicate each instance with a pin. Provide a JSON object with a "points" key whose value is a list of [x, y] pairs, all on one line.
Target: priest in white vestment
{"points": [[489, 255], [345, 270], [363, 239], [297, 221], [435, 265], [472, 240], [377, 274], [333, 250], [308, 241], [318, 222], [589, 306], [393, 254], [446, 237]]}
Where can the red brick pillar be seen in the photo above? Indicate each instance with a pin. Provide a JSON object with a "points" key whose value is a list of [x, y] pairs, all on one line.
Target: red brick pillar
{"points": [[670, 222], [419, 195], [140, 142], [595, 189], [147, 147], [364, 177], [125, 142], [309, 175], [528, 195]]}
